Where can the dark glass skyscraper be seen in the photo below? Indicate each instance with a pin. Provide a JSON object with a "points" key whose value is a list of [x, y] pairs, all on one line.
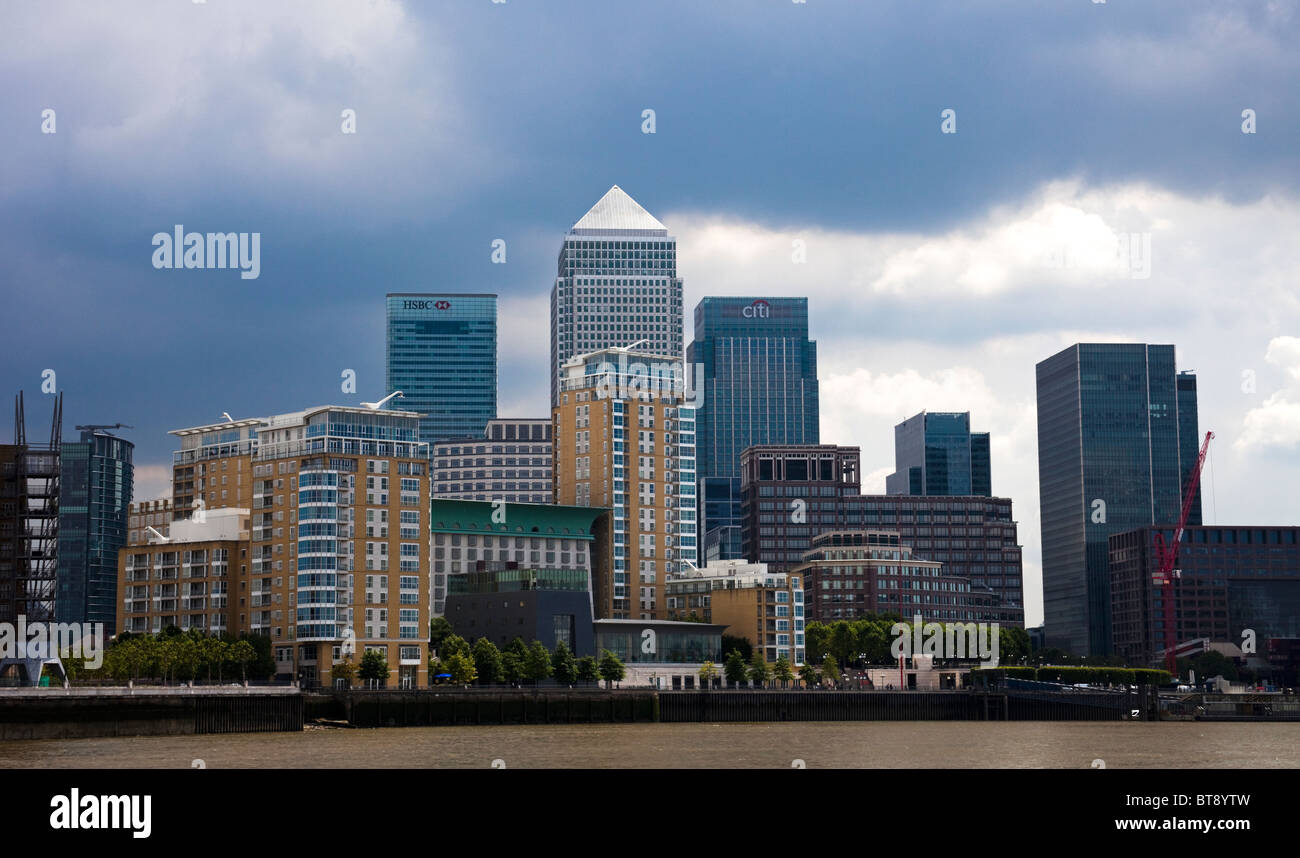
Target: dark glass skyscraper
{"points": [[94, 495], [442, 355], [759, 374], [935, 453], [1113, 455]]}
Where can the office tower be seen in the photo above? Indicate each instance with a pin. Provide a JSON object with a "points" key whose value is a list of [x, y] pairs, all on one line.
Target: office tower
{"points": [[624, 439], [755, 373], [935, 453], [766, 608], [1232, 579], [617, 286], [337, 551], [94, 494], [442, 356], [510, 461], [792, 494], [545, 556], [1112, 456], [29, 520]]}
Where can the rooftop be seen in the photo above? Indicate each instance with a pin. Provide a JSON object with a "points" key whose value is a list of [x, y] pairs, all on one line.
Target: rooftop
{"points": [[617, 211]]}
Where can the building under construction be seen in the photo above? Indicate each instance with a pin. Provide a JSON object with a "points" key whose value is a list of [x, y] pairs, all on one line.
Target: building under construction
{"points": [[29, 520]]}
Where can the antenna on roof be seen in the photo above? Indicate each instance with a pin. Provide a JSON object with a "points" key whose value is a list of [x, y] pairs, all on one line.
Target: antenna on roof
{"points": [[229, 419], [375, 406]]}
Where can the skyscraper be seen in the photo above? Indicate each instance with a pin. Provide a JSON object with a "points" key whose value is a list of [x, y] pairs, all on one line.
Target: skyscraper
{"points": [[935, 453], [442, 355], [758, 371], [610, 401], [1112, 457], [94, 496], [616, 286]]}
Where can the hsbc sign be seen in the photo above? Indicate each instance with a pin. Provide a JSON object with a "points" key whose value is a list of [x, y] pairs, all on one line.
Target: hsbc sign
{"points": [[760, 309], [426, 305]]}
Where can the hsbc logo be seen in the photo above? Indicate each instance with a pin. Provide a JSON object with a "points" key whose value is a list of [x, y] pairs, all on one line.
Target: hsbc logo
{"points": [[426, 305], [760, 309]]}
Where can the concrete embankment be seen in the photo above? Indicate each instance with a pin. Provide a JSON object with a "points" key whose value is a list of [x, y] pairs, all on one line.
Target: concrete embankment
{"points": [[84, 714]]}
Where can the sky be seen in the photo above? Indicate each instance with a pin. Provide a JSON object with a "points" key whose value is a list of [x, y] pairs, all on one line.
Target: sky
{"points": [[1098, 185]]}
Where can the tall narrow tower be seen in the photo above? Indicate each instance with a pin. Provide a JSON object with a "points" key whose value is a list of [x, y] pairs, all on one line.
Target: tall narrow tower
{"points": [[616, 286]]}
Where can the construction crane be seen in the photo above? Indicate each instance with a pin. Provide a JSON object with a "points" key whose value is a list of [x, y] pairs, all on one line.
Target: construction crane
{"points": [[1168, 555], [91, 427]]}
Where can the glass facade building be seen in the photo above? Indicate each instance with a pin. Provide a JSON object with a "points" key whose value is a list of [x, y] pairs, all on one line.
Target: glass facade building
{"points": [[755, 374], [94, 498], [616, 285], [935, 453], [1117, 438], [442, 355]]}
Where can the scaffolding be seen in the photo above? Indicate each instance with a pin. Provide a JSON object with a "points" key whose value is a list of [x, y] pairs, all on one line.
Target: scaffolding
{"points": [[36, 505]]}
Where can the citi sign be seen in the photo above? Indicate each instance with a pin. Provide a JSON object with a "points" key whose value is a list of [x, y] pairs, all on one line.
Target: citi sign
{"points": [[426, 305], [760, 309]]}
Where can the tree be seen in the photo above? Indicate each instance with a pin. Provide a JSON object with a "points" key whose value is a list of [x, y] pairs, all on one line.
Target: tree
{"points": [[345, 670], [818, 636], [782, 672], [734, 667], [511, 666], [707, 672], [563, 665], [487, 661], [1013, 645], [611, 669], [730, 642], [439, 631], [588, 669], [537, 665], [374, 666], [455, 644], [808, 674], [843, 643], [830, 670], [242, 654], [759, 672], [461, 668], [874, 641]]}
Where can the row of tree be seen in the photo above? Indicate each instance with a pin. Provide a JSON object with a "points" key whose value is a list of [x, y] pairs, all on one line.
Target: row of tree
{"points": [[756, 670], [174, 655], [869, 640], [485, 663]]}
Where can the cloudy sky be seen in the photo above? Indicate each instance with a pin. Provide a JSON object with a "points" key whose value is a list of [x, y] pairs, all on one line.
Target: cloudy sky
{"points": [[939, 267]]}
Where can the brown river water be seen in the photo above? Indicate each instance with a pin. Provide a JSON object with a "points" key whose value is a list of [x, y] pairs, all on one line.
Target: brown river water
{"points": [[818, 744]]}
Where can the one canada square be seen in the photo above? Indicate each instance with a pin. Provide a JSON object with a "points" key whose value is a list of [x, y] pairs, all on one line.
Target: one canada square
{"points": [[617, 285]]}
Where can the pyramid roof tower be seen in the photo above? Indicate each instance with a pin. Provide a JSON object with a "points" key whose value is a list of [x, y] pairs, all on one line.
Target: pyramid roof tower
{"points": [[616, 212]]}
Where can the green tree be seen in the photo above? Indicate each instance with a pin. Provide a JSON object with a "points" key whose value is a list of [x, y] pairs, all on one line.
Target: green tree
{"points": [[818, 636], [808, 674], [874, 640], [1013, 646], [374, 666], [512, 668], [439, 630], [782, 672], [759, 672], [563, 665], [243, 654], [844, 643], [487, 661], [345, 670], [588, 669], [707, 672], [537, 666], [611, 669], [455, 644], [734, 667], [730, 642], [461, 668], [830, 670]]}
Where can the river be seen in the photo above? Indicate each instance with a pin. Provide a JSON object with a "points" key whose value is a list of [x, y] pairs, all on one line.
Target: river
{"points": [[876, 744]]}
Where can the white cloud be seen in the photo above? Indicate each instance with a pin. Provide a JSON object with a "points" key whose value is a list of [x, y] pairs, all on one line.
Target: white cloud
{"points": [[152, 482], [957, 320], [1276, 423]]}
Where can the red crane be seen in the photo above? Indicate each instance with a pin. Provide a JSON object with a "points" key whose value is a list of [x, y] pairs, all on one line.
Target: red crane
{"points": [[1168, 554]]}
